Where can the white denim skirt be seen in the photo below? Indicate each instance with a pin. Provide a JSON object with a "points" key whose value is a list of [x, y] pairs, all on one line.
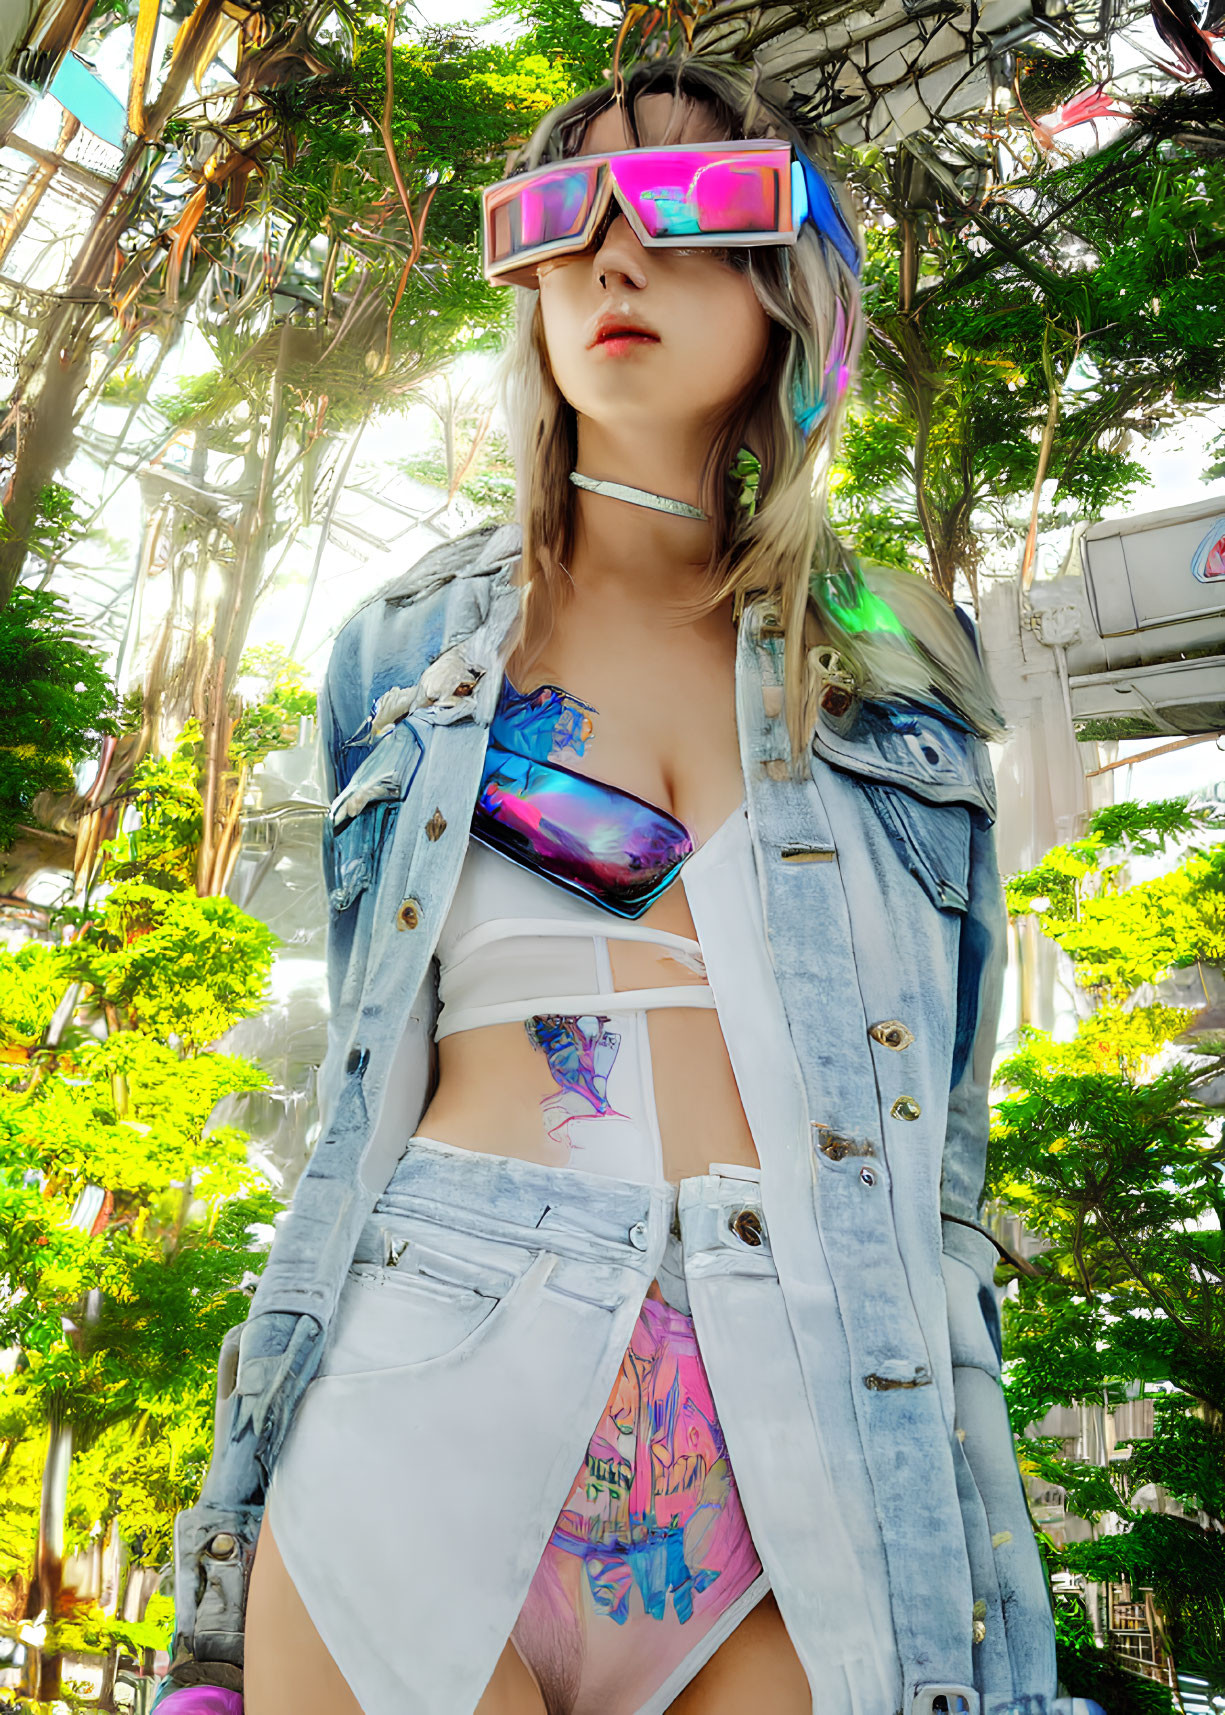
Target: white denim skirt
{"points": [[483, 1324]]}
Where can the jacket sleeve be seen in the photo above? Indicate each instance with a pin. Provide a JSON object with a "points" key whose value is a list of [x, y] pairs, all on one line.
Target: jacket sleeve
{"points": [[982, 959], [1009, 1581], [340, 718]]}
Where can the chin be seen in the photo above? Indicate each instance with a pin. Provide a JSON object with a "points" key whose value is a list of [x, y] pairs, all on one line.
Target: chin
{"points": [[650, 415]]}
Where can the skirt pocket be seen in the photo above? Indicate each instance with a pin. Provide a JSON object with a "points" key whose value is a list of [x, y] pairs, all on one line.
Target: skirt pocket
{"points": [[434, 1297]]}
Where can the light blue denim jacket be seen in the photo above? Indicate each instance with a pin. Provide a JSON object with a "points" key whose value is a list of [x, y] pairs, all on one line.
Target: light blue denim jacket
{"points": [[884, 919]]}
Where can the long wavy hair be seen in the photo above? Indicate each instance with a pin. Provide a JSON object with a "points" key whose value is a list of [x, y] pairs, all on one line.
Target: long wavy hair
{"points": [[887, 633]]}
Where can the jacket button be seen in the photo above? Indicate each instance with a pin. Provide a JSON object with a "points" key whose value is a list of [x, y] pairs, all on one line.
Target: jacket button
{"points": [[747, 1226], [835, 1147], [891, 1033], [436, 826], [905, 1108], [409, 915], [222, 1547], [639, 1235]]}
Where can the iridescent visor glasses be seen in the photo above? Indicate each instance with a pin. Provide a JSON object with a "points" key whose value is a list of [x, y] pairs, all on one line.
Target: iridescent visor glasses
{"points": [[687, 194]]}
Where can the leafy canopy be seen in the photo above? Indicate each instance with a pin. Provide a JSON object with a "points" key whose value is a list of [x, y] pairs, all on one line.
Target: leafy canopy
{"points": [[55, 702], [1105, 1150]]}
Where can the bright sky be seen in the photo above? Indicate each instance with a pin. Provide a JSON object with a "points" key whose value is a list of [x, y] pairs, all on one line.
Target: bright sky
{"points": [[449, 11]]}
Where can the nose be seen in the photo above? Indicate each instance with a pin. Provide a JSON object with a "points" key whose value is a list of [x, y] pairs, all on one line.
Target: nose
{"points": [[619, 259]]}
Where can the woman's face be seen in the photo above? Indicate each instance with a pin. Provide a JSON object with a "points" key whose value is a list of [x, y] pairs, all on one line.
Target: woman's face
{"points": [[661, 337]]}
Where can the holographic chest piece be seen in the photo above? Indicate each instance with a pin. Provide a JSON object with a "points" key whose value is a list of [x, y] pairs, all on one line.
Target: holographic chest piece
{"points": [[597, 841]]}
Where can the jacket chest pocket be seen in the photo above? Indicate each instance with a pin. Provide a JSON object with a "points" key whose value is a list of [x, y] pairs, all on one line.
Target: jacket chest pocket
{"points": [[364, 812], [932, 841], [926, 781]]}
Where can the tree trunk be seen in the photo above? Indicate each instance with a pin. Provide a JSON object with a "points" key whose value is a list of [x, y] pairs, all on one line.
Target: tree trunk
{"points": [[106, 1691], [45, 436], [46, 428], [47, 1583], [235, 609]]}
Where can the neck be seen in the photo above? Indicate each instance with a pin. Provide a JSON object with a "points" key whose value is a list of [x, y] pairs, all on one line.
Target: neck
{"points": [[652, 559]]}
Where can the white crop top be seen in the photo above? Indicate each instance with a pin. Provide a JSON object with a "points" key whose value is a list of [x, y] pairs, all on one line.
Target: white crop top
{"points": [[515, 945], [517, 948]]}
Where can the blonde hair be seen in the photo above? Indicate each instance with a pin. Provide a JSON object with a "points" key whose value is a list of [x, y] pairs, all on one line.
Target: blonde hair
{"points": [[836, 617]]}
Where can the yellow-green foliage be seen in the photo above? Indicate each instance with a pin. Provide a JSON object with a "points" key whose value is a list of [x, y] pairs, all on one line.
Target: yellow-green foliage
{"points": [[1105, 1150], [1052, 888], [31, 987], [90, 1631], [19, 1485], [159, 848], [1138, 934], [1114, 1039], [1119, 936], [148, 1469], [270, 721], [115, 1193], [180, 967], [128, 1113]]}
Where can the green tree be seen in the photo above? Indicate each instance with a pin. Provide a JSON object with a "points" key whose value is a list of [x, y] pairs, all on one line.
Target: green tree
{"points": [[322, 244], [1106, 1151], [573, 35], [129, 1224], [1029, 338], [55, 703]]}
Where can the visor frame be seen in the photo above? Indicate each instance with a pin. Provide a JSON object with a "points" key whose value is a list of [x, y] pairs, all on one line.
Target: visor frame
{"points": [[520, 269]]}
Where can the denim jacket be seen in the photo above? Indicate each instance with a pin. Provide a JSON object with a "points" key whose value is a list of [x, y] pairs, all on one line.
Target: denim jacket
{"points": [[884, 920]]}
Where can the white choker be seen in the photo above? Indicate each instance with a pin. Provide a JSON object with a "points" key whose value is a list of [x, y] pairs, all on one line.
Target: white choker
{"points": [[638, 497]]}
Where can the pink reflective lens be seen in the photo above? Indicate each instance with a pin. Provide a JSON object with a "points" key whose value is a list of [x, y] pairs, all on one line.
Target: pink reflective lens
{"points": [[547, 208], [678, 193]]}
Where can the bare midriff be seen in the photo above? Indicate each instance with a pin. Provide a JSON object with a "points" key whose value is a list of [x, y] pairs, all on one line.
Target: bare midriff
{"points": [[492, 1082]]}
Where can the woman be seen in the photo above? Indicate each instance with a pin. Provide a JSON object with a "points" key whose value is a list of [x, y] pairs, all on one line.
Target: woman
{"points": [[664, 958]]}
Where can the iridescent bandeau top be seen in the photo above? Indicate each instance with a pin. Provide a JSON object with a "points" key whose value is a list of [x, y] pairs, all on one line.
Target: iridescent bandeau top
{"points": [[597, 841]]}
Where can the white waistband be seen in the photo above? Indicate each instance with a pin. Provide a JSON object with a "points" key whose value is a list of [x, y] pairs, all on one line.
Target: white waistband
{"points": [[699, 995]]}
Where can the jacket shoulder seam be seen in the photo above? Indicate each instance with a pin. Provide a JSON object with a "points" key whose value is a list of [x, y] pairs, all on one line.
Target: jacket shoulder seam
{"points": [[462, 557]]}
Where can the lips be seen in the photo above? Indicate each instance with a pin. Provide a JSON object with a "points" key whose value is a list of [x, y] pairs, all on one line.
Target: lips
{"points": [[622, 331]]}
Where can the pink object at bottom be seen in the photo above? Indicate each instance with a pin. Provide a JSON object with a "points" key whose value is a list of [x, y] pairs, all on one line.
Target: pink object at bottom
{"points": [[652, 1547], [200, 1700]]}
